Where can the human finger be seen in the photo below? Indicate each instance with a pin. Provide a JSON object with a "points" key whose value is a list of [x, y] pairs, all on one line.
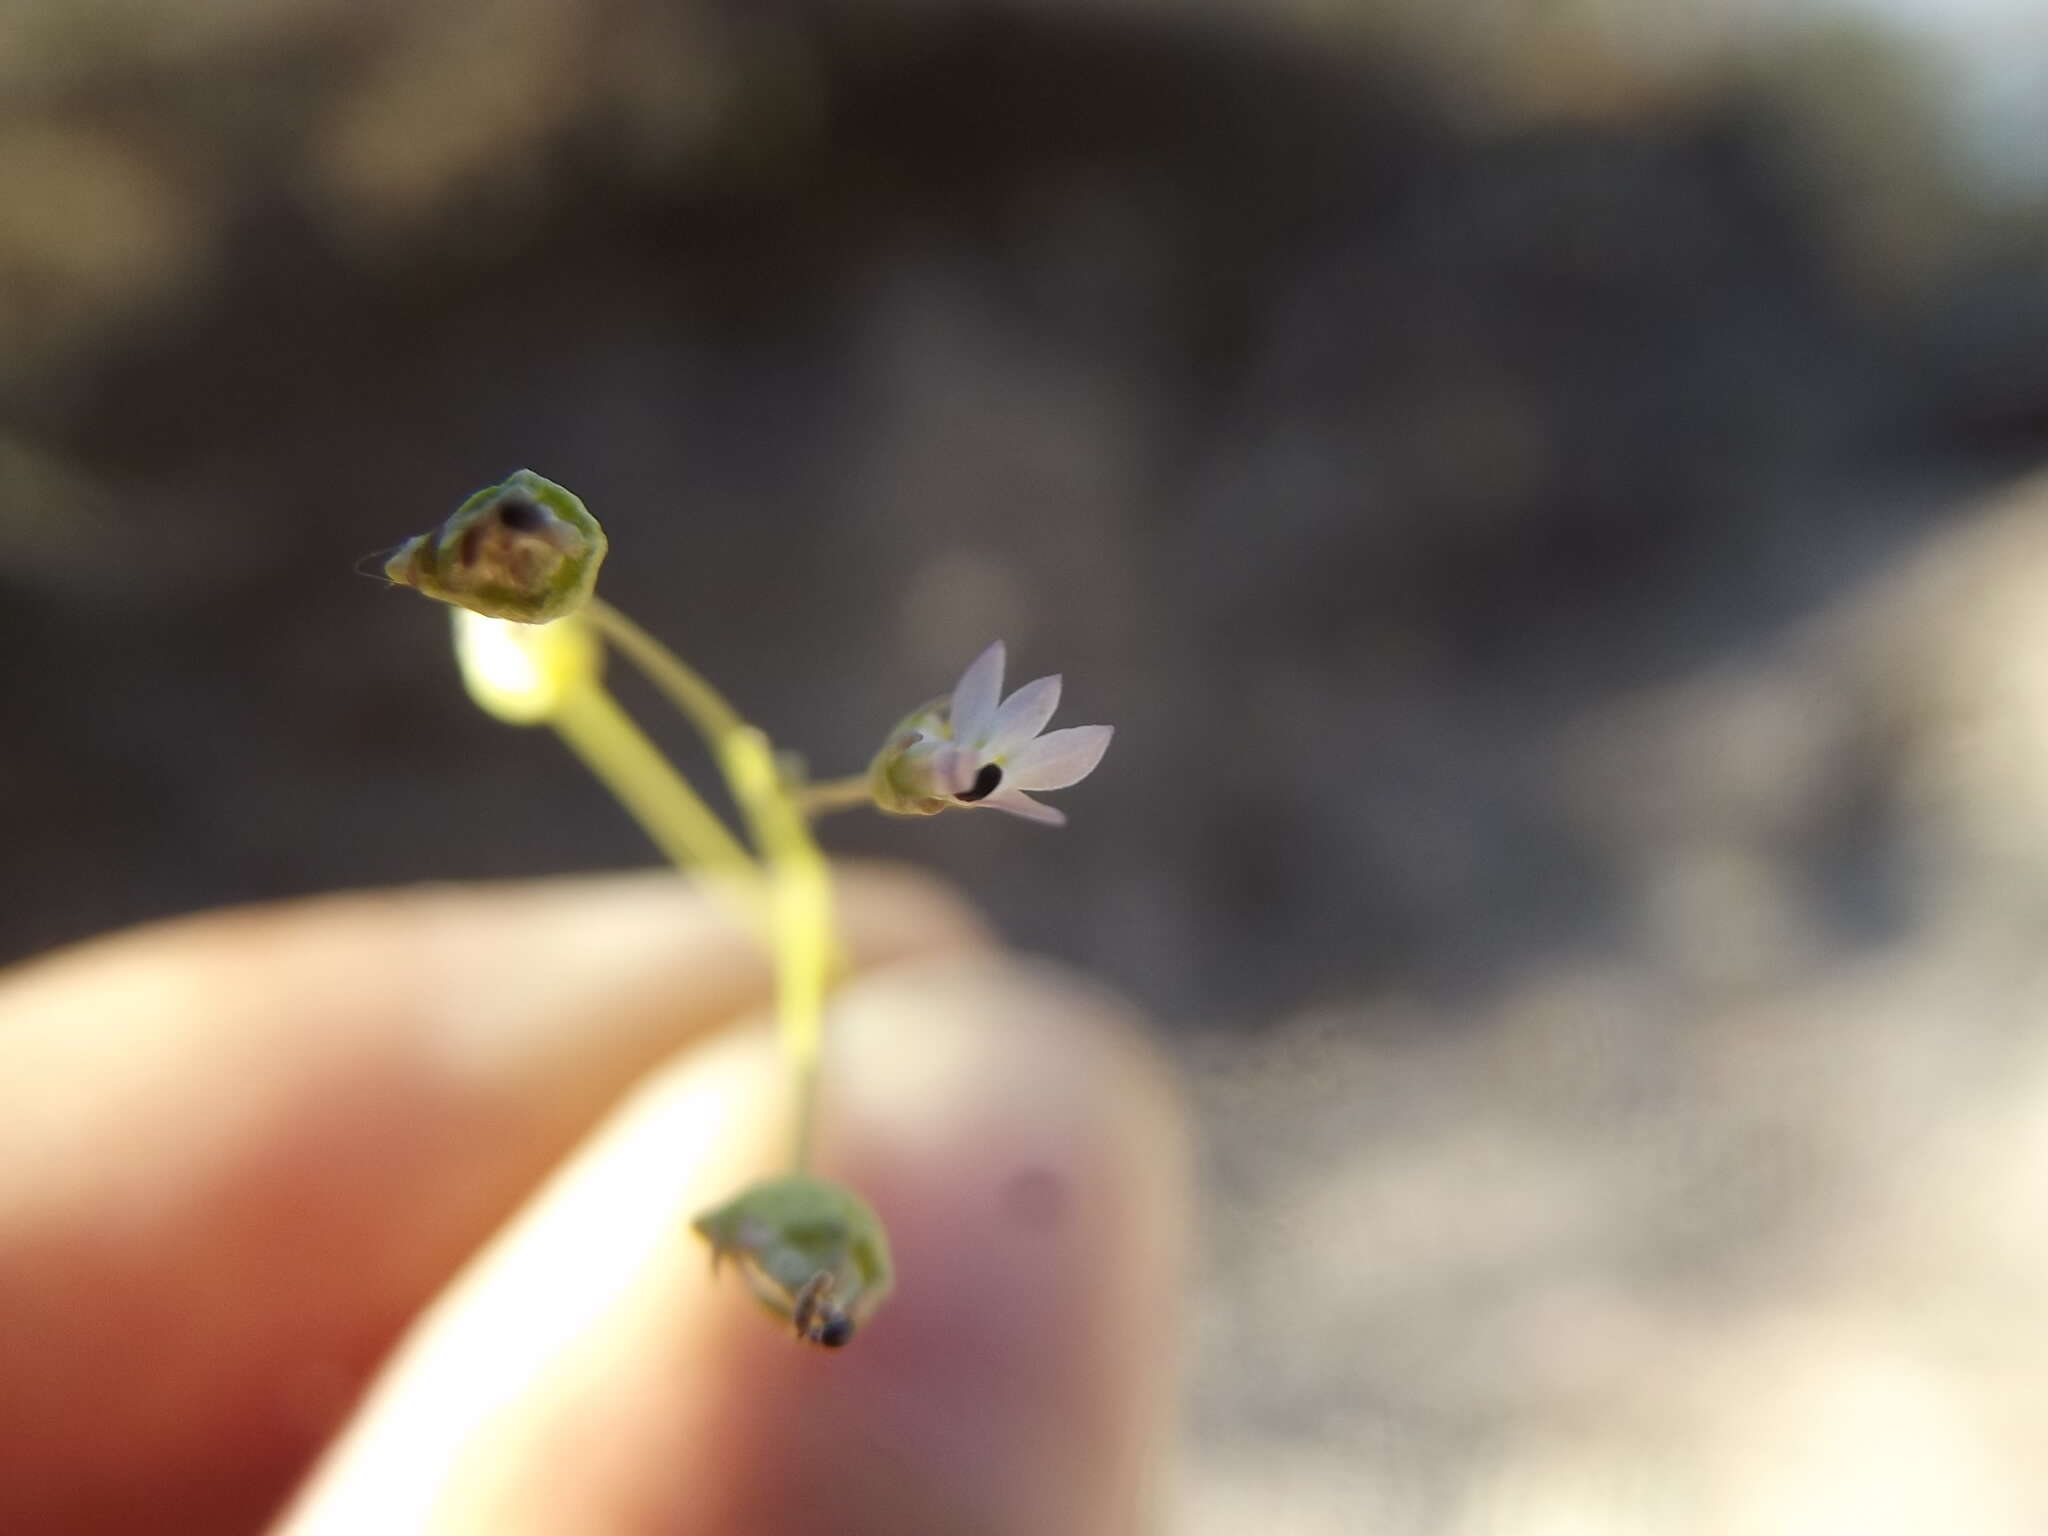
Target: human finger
{"points": [[243, 1148], [588, 1373]]}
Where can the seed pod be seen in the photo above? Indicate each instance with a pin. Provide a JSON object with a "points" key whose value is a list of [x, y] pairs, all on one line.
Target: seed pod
{"points": [[812, 1252], [526, 550]]}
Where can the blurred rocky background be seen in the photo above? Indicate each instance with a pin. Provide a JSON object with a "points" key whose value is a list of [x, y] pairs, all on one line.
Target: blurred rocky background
{"points": [[1541, 490]]}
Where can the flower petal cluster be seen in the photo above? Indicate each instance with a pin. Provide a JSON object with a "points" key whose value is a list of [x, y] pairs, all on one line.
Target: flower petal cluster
{"points": [[975, 748]]}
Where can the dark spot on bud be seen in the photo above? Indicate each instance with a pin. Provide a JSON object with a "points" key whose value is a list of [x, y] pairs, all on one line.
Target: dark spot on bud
{"points": [[984, 785], [465, 549], [520, 515], [818, 1319]]}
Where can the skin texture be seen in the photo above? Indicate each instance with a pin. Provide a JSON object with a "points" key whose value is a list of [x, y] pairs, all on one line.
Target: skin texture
{"points": [[397, 1187]]}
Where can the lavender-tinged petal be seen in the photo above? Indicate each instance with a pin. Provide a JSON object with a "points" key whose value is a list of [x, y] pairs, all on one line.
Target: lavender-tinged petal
{"points": [[953, 768], [1023, 716], [975, 695], [934, 768], [1059, 758], [947, 769], [1017, 803]]}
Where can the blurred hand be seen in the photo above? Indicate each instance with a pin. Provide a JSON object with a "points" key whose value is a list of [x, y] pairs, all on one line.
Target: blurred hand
{"points": [[400, 1183]]}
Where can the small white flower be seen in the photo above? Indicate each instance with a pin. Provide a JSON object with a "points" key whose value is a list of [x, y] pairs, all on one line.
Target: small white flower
{"points": [[968, 749]]}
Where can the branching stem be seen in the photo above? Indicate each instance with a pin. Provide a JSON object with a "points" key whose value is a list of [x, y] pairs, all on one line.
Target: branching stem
{"points": [[800, 884], [672, 814]]}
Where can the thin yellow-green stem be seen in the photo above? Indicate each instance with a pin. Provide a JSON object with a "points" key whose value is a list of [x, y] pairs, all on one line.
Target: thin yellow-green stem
{"points": [[800, 879], [801, 898], [837, 795], [684, 685], [672, 814]]}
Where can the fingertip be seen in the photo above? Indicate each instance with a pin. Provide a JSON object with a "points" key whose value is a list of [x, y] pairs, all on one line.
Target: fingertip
{"points": [[1024, 1144], [1025, 1151], [247, 1146], [555, 1382]]}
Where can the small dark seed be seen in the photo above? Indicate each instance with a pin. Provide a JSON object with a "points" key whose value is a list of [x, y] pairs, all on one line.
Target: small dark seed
{"points": [[835, 1331], [984, 785], [519, 514]]}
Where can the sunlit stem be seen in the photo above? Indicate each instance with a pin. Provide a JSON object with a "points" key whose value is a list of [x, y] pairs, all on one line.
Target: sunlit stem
{"points": [[800, 884], [672, 814], [685, 687], [800, 895], [837, 795]]}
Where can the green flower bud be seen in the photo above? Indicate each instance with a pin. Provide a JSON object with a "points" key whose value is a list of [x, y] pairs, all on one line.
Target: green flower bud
{"points": [[813, 1253], [526, 550]]}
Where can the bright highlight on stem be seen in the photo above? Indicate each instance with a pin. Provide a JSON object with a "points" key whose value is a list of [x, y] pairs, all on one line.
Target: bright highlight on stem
{"points": [[551, 674]]}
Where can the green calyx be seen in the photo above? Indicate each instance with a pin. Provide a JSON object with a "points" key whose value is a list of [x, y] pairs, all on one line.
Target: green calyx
{"points": [[813, 1253], [892, 785]]}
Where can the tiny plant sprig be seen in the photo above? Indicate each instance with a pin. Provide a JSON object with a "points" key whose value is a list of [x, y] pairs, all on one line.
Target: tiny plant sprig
{"points": [[519, 561]]}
